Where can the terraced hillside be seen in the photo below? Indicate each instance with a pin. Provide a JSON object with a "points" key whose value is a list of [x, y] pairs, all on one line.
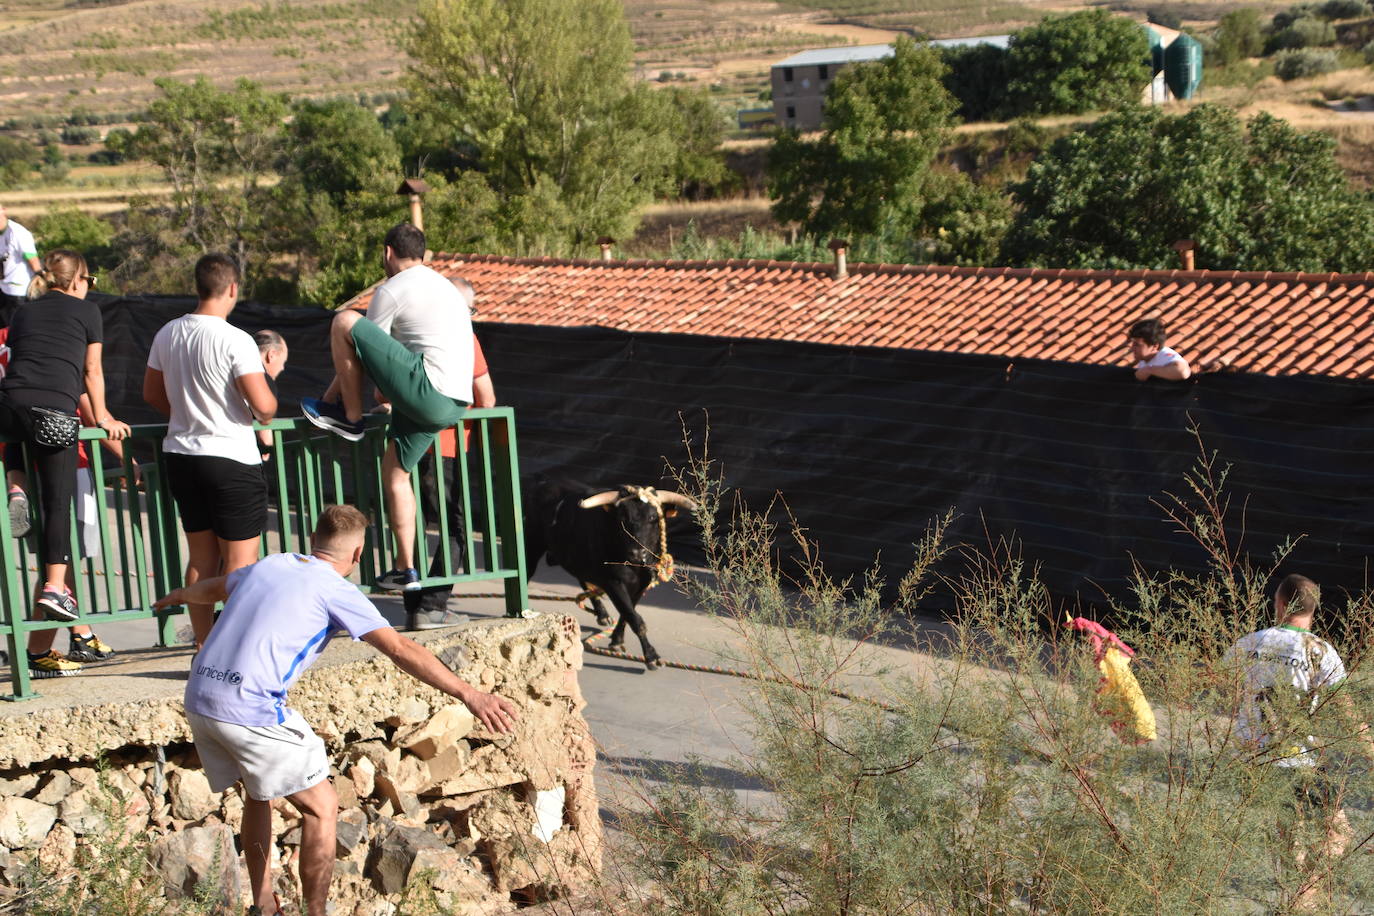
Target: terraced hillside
{"points": [[102, 55]]}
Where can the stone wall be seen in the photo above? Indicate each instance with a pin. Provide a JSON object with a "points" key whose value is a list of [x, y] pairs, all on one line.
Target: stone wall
{"points": [[426, 794]]}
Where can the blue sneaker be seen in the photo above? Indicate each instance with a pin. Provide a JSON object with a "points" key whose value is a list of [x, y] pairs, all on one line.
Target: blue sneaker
{"points": [[331, 417], [399, 580]]}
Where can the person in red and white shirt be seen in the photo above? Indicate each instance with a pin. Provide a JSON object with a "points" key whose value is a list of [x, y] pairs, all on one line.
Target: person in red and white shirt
{"points": [[1153, 359]]}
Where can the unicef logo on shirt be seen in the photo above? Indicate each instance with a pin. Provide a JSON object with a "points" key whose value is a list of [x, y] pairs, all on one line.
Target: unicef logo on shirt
{"points": [[232, 678]]}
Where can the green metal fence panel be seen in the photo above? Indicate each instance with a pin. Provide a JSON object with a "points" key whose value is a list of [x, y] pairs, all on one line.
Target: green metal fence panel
{"points": [[136, 551]]}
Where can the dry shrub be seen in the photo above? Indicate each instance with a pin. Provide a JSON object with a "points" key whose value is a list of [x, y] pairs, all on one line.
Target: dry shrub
{"points": [[984, 780]]}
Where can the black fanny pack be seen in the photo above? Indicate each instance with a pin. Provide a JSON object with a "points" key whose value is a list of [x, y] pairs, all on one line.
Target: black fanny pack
{"points": [[53, 428]]}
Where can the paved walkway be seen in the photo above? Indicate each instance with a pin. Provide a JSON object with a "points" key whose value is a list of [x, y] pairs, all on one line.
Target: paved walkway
{"points": [[647, 724]]}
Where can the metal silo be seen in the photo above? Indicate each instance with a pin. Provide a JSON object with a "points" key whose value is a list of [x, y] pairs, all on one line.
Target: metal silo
{"points": [[1183, 66]]}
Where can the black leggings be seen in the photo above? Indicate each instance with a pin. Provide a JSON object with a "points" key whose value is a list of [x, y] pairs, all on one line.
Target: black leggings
{"points": [[56, 468]]}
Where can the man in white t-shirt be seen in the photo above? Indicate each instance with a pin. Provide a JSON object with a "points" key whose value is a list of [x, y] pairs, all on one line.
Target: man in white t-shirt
{"points": [[279, 614], [416, 346], [18, 263], [1153, 359], [1287, 674], [207, 378]]}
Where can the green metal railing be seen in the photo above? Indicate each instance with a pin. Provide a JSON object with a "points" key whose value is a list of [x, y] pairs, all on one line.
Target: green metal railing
{"points": [[142, 551]]}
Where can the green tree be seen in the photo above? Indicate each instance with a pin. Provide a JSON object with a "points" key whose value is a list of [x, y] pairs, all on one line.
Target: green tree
{"points": [[217, 149], [339, 169], [966, 221], [336, 147], [541, 92], [68, 227], [885, 123], [342, 254], [1079, 62], [698, 124], [1255, 196], [17, 159], [1307, 32], [1239, 34], [977, 77]]}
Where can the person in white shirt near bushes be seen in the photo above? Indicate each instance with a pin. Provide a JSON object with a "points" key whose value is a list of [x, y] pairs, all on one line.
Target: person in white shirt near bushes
{"points": [[1287, 674]]}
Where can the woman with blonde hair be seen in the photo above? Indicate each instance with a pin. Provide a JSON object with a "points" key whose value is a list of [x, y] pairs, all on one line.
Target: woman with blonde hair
{"points": [[55, 355]]}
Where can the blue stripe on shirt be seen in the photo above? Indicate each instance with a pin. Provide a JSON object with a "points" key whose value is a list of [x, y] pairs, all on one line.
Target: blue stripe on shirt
{"points": [[296, 663]]}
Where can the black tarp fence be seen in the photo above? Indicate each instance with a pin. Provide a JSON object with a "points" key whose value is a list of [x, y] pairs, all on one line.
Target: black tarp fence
{"points": [[868, 445]]}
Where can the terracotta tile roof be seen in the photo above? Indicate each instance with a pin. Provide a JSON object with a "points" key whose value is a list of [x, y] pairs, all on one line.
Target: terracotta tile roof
{"points": [[1271, 323]]}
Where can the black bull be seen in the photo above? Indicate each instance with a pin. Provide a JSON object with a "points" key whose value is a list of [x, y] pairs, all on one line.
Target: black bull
{"points": [[610, 539]]}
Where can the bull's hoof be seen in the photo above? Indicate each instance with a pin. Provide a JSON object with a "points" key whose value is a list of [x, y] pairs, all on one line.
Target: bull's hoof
{"points": [[603, 620], [653, 664], [616, 647]]}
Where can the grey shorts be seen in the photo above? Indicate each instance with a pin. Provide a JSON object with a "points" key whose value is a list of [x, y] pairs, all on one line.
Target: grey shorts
{"points": [[273, 761]]}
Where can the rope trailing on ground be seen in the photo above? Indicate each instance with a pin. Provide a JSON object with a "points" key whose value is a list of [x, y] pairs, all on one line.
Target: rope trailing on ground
{"points": [[623, 655]]}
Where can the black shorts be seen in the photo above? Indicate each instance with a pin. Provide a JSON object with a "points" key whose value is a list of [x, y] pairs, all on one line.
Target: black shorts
{"points": [[218, 494]]}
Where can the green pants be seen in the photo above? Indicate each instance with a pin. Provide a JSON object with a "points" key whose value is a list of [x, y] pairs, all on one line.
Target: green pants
{"points": [[418, 411]]}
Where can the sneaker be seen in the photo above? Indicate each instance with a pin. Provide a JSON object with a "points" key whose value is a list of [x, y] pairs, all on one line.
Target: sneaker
{"points": [[434, 620], [89, 649], [19, 513], [53, 665], [398, 580], [59, 605], [256, 910], [330, 416]]}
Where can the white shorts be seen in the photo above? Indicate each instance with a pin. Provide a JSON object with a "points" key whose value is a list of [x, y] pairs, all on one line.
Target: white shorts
{"points": [[273, 761]]}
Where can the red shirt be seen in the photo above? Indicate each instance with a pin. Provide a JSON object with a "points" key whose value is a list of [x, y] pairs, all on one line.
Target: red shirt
{"points": [[447, 447]]}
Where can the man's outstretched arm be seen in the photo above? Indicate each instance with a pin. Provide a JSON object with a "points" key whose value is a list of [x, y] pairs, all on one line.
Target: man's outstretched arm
{"points": [[206, 591], [496, 713]]}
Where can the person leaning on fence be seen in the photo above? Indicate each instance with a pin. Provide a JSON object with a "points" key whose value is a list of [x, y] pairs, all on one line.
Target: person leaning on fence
{"points": [[273, 351], [55, 345], [279, 615], [1287, 673], [207, 378], [1153, 359], [427, 608], [84, 645], [416, 346]]}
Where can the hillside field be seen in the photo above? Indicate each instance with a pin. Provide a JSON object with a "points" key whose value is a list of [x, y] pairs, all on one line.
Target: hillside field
{"points": [[102, 55], [99, 58]]}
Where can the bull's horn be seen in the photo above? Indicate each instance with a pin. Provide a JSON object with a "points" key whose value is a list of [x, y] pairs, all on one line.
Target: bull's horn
{"points": [[604, 498], [669, 498]]}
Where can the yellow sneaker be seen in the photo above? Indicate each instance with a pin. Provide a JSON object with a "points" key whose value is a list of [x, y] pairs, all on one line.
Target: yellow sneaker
{"points": [[54, 664], [89, 649]]}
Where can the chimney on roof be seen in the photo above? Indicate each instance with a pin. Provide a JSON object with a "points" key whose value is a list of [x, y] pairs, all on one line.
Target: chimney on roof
{"points": [[1185, 249], [413, 188], [841, 249], [605, 243]]}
